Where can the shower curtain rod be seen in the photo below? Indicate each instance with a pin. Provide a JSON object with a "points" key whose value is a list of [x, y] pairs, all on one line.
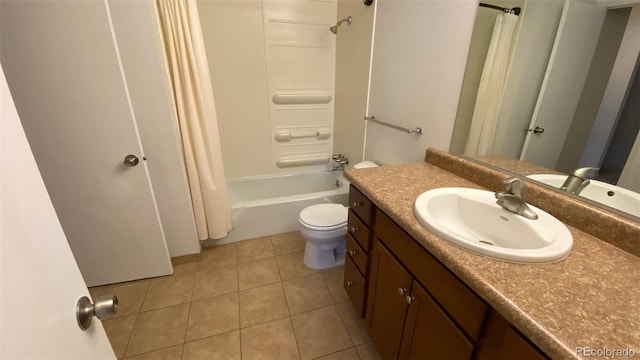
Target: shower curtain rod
{"points": [[515, 10]]}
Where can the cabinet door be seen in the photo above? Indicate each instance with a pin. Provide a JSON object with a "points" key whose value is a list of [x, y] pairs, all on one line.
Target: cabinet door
{"points": [[387, 305], [429, 333]]}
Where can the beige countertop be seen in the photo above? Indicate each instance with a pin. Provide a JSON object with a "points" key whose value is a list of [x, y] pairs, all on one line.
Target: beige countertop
{"points": [[590, 299]]}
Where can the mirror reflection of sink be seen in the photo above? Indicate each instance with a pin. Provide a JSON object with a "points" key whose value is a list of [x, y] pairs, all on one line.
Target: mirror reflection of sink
{"points": [[606, 194], [471, 219]]}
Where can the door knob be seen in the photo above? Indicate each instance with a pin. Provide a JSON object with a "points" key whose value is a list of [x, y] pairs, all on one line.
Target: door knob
{"points": [[131, 160], [103, 307], [536, 130]]}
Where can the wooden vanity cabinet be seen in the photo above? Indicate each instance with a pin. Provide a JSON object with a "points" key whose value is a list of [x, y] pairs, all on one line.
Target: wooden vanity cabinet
{"points": [[359, 238], [415, 307]]}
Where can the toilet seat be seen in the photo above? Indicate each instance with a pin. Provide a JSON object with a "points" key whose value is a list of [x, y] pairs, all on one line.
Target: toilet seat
{"points": [[324, 217]]}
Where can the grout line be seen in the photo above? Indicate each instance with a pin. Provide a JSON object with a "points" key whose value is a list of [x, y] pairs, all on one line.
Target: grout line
{"points": [[137, 314], [295, 337]]}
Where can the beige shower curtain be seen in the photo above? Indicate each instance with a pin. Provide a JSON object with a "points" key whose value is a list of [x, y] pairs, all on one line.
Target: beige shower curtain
{"points": [[490, 92], [197, 118]]}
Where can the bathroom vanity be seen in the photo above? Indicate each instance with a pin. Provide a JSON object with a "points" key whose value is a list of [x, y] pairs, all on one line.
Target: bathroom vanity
{"points": [[423, 297]]}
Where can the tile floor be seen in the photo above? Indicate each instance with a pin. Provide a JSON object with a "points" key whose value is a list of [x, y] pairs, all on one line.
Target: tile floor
{"points": [[248, 300]]}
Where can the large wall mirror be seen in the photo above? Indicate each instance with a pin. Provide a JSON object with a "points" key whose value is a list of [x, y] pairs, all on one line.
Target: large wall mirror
{"points": [[557, 88]]}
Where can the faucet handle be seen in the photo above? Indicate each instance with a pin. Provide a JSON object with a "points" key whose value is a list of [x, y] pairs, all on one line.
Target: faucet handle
{"points": [[515, 186]]}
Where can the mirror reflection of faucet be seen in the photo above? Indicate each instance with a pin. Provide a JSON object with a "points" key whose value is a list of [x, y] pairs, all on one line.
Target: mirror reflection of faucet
{"points": [[578, 180]]}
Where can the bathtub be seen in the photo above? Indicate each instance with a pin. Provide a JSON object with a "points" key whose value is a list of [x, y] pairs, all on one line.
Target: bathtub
{"points": [[268, 205]]}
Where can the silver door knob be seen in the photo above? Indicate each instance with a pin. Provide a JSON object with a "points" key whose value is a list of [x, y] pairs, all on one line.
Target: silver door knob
{"points": [[352, 252], [538, 130], [402, 291], [409, 299], [131, 160], [349, 282], [356, 204], [353, 229], [103, 307]]}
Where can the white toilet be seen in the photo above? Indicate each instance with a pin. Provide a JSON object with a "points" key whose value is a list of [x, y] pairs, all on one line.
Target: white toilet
{"points": [[324, 226]]}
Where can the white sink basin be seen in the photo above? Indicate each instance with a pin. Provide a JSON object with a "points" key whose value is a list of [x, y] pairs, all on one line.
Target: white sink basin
{"points": [[606, 194], [471, 219]]}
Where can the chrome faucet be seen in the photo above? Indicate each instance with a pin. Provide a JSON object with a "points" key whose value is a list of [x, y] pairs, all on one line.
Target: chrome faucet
{"points": [[577, 180], [511, 199], [340, 160]]}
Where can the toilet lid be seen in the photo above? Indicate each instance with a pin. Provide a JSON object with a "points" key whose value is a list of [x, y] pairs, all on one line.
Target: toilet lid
{"points": [[324, 216]]}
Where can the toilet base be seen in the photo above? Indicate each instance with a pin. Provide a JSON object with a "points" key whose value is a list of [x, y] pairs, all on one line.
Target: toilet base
{"points": [[317, 258]]}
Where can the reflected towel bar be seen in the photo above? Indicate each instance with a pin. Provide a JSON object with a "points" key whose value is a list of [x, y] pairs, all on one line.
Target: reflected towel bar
{"points": [[417, 130]]}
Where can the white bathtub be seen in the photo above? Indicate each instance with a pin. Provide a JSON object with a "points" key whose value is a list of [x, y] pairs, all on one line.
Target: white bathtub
{"points": [[267, 205]]}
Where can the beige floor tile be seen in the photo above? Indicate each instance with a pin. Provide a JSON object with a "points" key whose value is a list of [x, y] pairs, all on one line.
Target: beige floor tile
{"points": [[172, 353], [320, 332], [130, 295], [349, 354], [288, 242], [213, 316], [182, 269], [335, 282], [263, 304], [368, 352], [158, 329], [215, 282], [184, 259], [223, 346], [255, 249], [217, 256], [353, 322], [258, 273], [306, 293], [118, 331], [171, 285], [272, 340], [291, 266], [159, 302]]}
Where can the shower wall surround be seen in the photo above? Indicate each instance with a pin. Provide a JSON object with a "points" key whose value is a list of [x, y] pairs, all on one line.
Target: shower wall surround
{"points": [[272, 66]]}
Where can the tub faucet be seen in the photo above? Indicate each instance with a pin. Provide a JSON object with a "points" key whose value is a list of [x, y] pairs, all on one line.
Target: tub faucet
{"points": [[577, 180], [511, 199], [340, 160]]}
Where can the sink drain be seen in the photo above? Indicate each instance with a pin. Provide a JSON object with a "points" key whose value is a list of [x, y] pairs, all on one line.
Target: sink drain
{"points": [[485, 242]]}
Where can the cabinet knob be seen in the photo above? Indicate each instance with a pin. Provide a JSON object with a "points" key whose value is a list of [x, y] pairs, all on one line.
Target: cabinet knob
{"points": [[402, 291], [349, 282], [356, 204], [352, 252], [354, 229], [409, 299]]}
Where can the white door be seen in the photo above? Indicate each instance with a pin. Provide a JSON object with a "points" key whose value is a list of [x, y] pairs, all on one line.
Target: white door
{"points": [[40, 280], [62, 65], [569, 64]]}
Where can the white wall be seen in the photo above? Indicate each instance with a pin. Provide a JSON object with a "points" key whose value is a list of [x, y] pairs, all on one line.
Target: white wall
{"points": [[419, 55], [143, 58], [353, 57], [234, 35]]}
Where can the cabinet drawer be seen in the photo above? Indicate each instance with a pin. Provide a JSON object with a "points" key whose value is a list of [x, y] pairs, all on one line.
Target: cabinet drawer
{"points": [[354, 284], [460, 302], [359, 231], [358, 256], [361, 205]]}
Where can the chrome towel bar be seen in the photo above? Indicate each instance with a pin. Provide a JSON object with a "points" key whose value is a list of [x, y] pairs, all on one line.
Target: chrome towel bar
{"points": [[417, 130]]}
